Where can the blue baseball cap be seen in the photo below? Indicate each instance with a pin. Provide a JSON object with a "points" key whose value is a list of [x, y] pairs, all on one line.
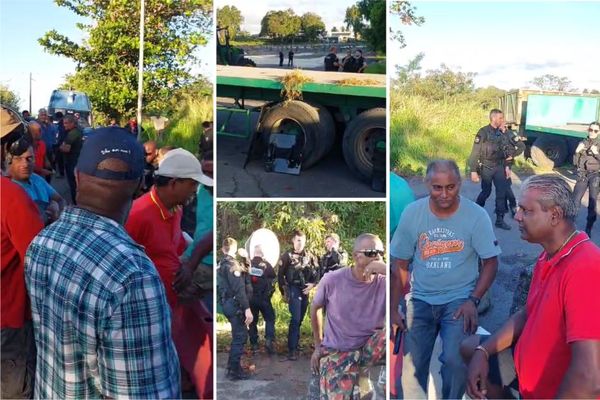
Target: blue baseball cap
{"points": [[111, 143]]}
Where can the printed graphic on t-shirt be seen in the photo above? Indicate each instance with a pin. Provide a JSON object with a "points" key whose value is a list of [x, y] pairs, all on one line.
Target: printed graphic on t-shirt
{"points": [[436, 244]]}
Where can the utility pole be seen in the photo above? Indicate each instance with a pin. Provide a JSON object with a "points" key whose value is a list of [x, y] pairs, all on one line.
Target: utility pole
{"points": [[30, 79], [140, 71]]}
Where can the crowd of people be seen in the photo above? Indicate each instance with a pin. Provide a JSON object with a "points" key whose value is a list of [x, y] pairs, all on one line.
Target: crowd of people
{"points": [[351, 339], [353, 61], [444, 260], [105, 297]]}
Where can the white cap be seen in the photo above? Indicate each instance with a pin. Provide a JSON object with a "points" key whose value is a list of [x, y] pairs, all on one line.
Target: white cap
{"points": [[180, 163]]}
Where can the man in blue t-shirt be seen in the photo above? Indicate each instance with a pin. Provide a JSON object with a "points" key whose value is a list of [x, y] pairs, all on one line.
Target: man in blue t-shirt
{"points": [[441, 237]]}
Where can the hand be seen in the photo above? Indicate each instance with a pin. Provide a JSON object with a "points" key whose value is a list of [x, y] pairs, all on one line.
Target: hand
{"points": [[315, 360], [376, 267], [477, 374], [52, 211], [594, 149], [502, 127], [469, 313], [474, 177], [65, 148], [307, 288], [285, 296], [249, 316], [183, 278], [398, 320]]}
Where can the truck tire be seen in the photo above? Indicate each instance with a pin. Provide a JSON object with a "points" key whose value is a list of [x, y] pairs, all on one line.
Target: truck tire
{"points": [[326, 131], [294, 117], [357, 146], [549, 151]]}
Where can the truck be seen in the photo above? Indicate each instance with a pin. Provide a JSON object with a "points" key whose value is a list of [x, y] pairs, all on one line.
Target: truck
{"points": [[228, 54], [331, 103], [553, 122], [72, 102]]}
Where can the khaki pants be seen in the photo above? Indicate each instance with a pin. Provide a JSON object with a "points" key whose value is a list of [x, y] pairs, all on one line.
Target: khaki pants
{"points": [[18, 362]]}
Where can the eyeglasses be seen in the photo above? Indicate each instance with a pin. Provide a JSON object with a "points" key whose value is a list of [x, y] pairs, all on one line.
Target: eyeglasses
{"points": [[593, 130], [371, 253]]}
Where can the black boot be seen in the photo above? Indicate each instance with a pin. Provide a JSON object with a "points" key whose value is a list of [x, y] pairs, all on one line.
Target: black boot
{"points": [[269, 347], [237, 374], [500, 222]]}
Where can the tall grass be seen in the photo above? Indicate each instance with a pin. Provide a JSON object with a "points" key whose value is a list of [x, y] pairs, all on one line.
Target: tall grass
{"points": [[185, 127], [422, 129]]}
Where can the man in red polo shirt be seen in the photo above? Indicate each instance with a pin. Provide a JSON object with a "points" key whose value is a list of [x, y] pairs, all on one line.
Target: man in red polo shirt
{"points": [[557, 335], [20, 222], [155, 223]]}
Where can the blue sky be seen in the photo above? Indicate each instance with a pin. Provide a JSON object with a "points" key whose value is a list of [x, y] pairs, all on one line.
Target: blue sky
{"points": [[22, 22], [332, 12], [506, 43]]}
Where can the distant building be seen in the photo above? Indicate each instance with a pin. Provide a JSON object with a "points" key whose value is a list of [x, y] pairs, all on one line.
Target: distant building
{"points": [[341, 37]]}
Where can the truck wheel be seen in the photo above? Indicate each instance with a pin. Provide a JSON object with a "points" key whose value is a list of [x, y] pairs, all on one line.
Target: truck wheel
{"points": [[294, 117], [358, 146], [549, 151], [326, 131]]}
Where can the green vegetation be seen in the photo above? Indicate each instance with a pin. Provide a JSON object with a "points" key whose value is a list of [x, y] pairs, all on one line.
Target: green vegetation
{"points": [[107, 60], [230, 17], [316, 219], [185, 127], [376, 68], [9, 98]]}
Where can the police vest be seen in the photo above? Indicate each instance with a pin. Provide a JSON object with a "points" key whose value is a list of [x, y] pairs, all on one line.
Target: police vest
{"points": [[587, 160], [492, 147]]}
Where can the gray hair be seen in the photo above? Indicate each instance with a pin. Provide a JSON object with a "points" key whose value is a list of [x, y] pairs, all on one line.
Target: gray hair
{"points": [[369, 236], [71, 118], [441, 166], [554, 191]]}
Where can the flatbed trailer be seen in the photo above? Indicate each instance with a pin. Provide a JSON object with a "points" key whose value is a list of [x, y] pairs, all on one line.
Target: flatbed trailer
{"points": [[331, 103]]}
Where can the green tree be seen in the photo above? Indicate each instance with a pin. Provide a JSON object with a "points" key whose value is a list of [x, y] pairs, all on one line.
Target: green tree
{"points": [[107, 61], [9, 98], [440, 83], [408, 16], [334, 29], [312, 26], [552, 82], [280, 25], [354, 20], [374, 30], [230, 17]]}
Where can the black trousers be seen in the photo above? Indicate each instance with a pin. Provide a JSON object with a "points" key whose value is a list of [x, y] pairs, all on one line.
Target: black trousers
{"points": [[493, 175], [239, 333], [584, 182], [510, 195], [262, 305]]}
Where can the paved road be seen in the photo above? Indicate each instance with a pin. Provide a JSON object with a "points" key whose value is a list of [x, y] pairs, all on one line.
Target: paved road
{"points": [[330, 177]]}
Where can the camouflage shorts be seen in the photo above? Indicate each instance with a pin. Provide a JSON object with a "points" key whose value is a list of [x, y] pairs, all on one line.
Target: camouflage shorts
{"points": [[340, 370]]}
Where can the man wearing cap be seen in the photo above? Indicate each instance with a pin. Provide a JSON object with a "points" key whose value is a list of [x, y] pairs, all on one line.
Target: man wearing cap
{"points": [[101, 319], [155, 223], [71, 147], [16, 329]]}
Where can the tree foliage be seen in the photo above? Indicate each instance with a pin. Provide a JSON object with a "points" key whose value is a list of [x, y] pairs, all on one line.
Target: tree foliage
{"points": [[374, 30], [9, 98], [316, 219], [107, 61], [354, 20], [312, 26], [230, 17], [552, 82], [408, 16], [280, 25]]}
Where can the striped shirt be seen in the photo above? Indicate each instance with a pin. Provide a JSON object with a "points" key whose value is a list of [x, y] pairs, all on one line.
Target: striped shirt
{"points": [[101, 320]]}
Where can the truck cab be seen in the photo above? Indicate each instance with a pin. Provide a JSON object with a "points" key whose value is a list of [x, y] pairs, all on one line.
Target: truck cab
{"points": [[72, 102]]}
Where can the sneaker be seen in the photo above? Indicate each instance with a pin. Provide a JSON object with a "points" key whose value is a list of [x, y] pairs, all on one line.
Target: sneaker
{"points": [[269, 347]]}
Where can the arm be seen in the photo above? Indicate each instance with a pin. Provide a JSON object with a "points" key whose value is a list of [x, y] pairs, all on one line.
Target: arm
{"points": [[582, 379], [316, 324], [61, 202], [153, 373], [400, 277], [475, 154], [21, 234], [184, 277], [269, 272], [281, 275]]}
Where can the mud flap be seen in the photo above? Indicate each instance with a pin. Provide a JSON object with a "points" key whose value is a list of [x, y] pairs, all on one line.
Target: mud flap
{"points": [[284, 154]]}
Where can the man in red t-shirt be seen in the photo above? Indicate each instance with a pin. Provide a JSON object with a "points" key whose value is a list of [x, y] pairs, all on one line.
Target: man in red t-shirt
{"points": [[557, 335], [20, 222], [42, 165], [155, 222]]}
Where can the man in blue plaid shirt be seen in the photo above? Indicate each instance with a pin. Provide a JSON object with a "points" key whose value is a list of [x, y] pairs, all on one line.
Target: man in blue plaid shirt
{"points": [[101, 320]]}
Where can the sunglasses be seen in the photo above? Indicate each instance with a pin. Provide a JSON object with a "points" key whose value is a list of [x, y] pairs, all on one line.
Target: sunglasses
{"points": [[371, 253], [593, 130]]}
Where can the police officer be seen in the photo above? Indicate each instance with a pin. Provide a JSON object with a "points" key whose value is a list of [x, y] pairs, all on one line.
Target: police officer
{"points": [[514, 146], [334, 258], [297, 275], [488, 161], [262, 276], [587, 161], [355, 64], [332, 63], [235, 292]]}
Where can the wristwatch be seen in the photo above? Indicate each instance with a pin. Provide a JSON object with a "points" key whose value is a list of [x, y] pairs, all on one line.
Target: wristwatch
{"points": [[475, 300]]}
